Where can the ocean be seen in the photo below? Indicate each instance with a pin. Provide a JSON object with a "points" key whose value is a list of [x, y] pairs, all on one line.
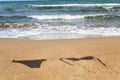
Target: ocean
{"points": [[61, 19]]}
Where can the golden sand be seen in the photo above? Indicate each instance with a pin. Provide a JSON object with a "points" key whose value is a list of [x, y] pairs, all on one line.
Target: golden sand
{"points": [[75, 59]]}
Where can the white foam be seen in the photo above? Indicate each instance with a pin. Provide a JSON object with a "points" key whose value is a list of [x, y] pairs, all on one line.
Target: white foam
{"points": [[72, 5], [16, 33], [64, 16], [59, 32]]}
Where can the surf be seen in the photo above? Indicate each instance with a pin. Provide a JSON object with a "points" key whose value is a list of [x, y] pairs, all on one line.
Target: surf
{"points": [[65, 16], [72, 17], [75, 5]]}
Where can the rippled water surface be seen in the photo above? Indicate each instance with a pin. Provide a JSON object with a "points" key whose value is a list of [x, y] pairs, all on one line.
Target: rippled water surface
{"points": [[61, 19]]}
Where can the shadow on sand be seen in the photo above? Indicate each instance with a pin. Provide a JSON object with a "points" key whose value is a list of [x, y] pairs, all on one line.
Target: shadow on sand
{"points": [[82, 58], [31, 63]]}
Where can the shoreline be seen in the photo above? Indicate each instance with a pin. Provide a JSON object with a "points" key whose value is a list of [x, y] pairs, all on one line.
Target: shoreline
{"points": [[60, 39]]}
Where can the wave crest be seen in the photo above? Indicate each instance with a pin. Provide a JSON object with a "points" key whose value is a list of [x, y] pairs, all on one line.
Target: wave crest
{"points": [[63, 17], [71, 17], [75, 5]]}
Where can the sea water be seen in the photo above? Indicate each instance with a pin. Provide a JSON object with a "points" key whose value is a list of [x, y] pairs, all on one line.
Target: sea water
{"points": [[61, 19]]}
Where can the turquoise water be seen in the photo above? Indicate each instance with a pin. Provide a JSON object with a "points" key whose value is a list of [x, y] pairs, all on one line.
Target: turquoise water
{"points": [[84, 17]]}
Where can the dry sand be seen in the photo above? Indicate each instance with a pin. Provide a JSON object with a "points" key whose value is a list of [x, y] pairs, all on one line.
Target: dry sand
{"points": [[77, 59]]}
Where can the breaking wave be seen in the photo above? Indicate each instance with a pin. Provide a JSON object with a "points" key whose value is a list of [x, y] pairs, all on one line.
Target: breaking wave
{"points": [[64, 17], [75, 5], [80, 7], [70, 17]]}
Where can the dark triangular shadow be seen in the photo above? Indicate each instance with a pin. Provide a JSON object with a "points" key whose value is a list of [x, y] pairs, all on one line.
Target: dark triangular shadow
{"points": [[31, 63]]}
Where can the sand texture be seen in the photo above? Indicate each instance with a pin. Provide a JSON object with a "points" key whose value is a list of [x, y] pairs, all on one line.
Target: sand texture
{"points": [[75, 59]]}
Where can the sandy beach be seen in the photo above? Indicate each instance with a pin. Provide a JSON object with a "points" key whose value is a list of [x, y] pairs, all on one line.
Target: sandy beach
{"points": [[74, 59]]}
